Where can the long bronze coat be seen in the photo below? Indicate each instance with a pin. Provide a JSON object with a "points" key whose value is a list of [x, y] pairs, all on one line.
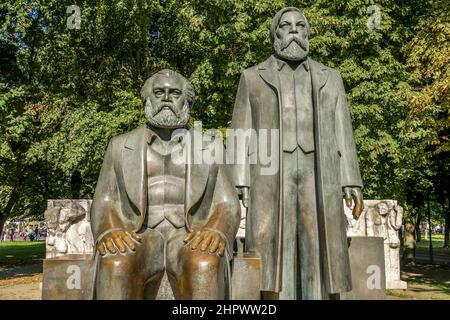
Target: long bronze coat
{"points": [[120, 199], [257, 106]]}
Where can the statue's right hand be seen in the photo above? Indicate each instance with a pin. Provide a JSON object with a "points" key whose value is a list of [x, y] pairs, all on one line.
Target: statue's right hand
{"points": [[244, 192], [117, 240]]}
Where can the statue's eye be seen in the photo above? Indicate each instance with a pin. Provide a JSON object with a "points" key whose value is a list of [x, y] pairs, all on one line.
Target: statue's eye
{"points": [[158, 93], [176, 93]]}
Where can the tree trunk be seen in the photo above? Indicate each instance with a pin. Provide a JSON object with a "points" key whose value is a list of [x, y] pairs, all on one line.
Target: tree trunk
{"points": [[447, 226], [409, 252], [75, 184], [430, 231], [2, 221], [417, 226], [400, 236], [8, 208]]}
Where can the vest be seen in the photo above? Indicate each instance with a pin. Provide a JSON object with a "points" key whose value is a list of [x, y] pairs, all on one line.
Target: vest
{"points": [[165, 184], [296, 107]]}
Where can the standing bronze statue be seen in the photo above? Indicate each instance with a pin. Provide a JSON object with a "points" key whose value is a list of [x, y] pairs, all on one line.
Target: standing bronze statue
{"points": [[156, 211], [295, 218]]}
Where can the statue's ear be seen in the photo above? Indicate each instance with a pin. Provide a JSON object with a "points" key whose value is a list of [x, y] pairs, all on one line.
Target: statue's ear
{"points": [[190, 102]]}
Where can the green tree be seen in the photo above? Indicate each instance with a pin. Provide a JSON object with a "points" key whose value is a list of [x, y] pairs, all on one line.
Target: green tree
{"points": [[425, 94], [65, 92]]}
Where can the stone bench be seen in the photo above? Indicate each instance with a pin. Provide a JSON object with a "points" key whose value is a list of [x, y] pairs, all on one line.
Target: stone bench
{"points": [[70, 277], [61, 271], [367, 267]]}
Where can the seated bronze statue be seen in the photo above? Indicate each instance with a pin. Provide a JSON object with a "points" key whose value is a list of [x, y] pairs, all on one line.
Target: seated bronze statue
{"points": [[156, 211]]}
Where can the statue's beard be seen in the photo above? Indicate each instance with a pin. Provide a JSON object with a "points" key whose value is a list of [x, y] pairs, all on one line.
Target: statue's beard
{"points": [[165, 115], [291, 48]]}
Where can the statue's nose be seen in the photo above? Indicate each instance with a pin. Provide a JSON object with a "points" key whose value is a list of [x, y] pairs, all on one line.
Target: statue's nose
{"points": [[294, 28], [166, 94]]}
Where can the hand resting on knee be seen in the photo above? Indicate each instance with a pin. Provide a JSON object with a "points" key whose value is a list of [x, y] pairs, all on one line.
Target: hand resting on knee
{"points": [[207, 238], [118, 240]]}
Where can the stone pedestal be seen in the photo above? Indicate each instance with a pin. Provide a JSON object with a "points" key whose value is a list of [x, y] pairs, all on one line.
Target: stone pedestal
{"points": [[381, 218], [68, 277], [70, 244], [165, 290], [245, 278], [368, 269]]}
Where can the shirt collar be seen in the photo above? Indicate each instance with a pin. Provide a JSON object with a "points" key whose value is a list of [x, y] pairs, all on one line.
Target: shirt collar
{"points": [[282, 63], [152, 136]]}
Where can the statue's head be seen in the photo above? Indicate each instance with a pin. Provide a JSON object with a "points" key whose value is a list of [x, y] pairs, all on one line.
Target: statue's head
{"points": [[289, 34], [168, 98], [383, 208]]}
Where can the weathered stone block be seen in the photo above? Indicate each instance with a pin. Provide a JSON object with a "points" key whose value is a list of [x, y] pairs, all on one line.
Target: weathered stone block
{"points": [[381, 218], [367, 268], [68, 277], [68, 227], [246, 276]]}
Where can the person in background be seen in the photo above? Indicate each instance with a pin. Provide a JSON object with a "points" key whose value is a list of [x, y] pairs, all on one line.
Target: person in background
{"points": [[36, 233], [44, 231], [11, 234], [30, 233]]}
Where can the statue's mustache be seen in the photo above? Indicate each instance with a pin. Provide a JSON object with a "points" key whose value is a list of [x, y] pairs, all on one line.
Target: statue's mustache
{"points": [[165, 105], [289, 39]]}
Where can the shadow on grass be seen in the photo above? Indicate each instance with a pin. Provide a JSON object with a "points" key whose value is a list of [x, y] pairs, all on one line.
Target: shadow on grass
{"points": [[20, 258], [20, 253], [435, 277]]}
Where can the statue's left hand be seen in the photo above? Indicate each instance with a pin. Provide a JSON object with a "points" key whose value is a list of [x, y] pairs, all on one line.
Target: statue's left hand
{"points": [[119, 239], [205, 239], [354, 194]]}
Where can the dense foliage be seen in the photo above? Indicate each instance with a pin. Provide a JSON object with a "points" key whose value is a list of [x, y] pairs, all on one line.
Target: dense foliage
{"points": [[64, 92]]}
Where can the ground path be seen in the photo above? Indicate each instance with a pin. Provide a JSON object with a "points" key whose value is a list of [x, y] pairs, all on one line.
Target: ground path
{"points": [[425, 282]]}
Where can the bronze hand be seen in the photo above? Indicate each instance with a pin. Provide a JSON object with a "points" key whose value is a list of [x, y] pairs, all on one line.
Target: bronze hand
{"points": [[117, 240], [354, 194], [244, 192], [206, 239]]}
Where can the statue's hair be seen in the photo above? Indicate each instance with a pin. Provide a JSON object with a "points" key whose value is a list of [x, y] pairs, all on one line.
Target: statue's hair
{"points": [[187, 87], [388, 204], [276, 20]]}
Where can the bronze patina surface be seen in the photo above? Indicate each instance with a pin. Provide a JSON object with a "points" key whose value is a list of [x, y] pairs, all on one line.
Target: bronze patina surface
{"points": [[295, 218], [155, 212]]}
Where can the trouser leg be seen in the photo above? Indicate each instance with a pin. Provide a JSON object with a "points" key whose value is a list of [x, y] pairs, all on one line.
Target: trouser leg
{"points": [[193, 274], [203, 276], [117, 279], [308, 230], [290, 265], [123, 277]]}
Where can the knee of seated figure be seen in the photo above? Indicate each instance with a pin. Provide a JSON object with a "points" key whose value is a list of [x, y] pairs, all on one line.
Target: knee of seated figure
{"points": [[117, 265], [204, 277], [203, 262]]}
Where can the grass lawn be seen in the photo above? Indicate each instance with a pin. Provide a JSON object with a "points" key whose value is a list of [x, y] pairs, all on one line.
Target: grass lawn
{"points": [[425, 282], [438, 244], [21, 252]]}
